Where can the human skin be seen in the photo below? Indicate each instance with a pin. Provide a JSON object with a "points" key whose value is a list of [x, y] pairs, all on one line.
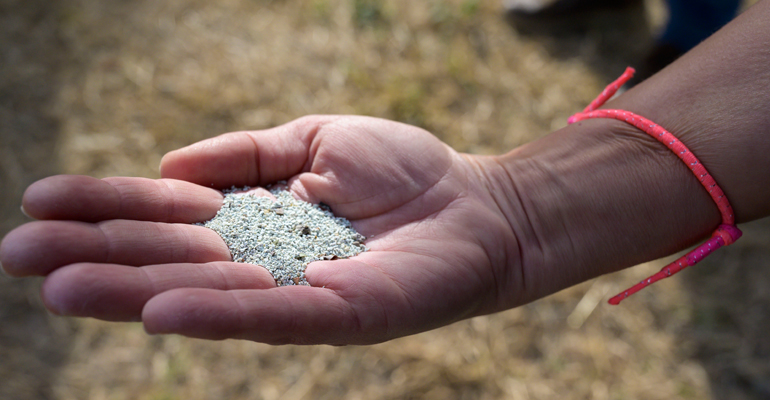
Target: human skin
{"points": [[451, 236]]}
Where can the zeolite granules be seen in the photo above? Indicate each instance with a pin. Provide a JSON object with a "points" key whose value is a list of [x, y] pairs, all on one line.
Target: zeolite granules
{"points": [[284, 235]]}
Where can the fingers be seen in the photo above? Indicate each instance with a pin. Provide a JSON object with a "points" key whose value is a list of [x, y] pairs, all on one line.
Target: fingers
{"points": [[118, 293], [357, 314], [38, 248], [246, 158], [84, 198]]}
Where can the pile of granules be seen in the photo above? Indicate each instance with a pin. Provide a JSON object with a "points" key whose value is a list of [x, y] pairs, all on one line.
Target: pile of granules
{"points": [[284, 235]]}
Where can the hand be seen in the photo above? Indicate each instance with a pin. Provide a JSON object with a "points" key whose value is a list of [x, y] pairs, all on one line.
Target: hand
{"points": [[122, 249]]}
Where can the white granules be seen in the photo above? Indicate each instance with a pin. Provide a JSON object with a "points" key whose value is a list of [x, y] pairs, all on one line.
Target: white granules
{"points": [[284, 235]]}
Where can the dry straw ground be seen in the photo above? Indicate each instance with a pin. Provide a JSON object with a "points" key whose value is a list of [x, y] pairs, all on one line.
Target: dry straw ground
{"points": [[105, 87]]}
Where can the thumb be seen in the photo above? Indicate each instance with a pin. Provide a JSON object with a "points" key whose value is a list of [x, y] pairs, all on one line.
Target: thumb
{"points": [[246, 158]]}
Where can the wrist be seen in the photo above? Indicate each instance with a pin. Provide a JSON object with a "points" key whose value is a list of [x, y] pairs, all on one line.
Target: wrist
{"points": [[595, 197]]}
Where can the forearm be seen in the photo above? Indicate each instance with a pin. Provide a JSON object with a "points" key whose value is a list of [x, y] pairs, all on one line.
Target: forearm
{"points": [[600, 195], [716, 100]]}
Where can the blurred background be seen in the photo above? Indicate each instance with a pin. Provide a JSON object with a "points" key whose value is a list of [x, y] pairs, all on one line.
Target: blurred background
{"points": [[106, 87]]}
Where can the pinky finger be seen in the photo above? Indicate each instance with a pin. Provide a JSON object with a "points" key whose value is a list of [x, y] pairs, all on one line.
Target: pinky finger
{"points": [[118, 292], [363, 309], [284, 315]]}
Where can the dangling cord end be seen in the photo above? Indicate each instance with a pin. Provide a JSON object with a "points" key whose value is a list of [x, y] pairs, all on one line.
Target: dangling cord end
{"points": [[606, 94], [723, 236], [667, 271]]}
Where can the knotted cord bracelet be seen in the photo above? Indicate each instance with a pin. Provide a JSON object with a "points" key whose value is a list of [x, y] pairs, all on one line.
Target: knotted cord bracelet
{"points": [[724, 235]]}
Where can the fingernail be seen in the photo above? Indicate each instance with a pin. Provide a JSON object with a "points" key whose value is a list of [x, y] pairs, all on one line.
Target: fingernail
{"points": [[24, 212]]}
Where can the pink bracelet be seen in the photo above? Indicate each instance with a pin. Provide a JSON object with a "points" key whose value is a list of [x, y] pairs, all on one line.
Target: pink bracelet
{"points": [[724, 235]]}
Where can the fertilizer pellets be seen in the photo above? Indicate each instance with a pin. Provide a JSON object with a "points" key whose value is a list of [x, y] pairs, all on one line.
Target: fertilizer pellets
{"points": [[284, 235]]}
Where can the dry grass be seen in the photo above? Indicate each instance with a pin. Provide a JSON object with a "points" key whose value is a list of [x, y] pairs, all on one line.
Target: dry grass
{"points": [[106, 87]]}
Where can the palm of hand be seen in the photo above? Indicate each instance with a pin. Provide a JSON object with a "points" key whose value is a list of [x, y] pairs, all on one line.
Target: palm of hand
{"points": [[438, 242]]}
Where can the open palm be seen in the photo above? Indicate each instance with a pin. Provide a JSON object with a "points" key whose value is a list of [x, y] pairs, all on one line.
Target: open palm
{"points": [[123, 248]]}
